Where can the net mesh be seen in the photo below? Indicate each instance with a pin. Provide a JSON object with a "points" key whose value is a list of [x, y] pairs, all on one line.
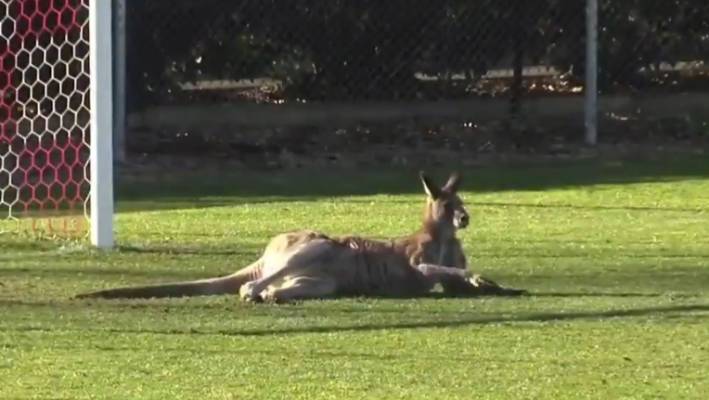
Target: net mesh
{"points": [[44, 113]]}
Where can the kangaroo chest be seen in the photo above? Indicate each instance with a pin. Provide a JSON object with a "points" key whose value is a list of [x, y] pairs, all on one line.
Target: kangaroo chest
{"points": [[444, 257], [442, 253]]}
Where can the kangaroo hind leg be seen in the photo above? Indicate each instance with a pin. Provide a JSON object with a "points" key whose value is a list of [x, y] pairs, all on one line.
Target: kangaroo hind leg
{"points": [[301, 288], [293, 266]]}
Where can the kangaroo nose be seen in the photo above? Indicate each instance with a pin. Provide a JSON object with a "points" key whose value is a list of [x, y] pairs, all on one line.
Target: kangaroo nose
{"points": [[464, 219]]}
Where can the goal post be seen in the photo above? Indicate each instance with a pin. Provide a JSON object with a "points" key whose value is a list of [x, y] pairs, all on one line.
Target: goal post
{"points": [[56, 95], [101, 159]]}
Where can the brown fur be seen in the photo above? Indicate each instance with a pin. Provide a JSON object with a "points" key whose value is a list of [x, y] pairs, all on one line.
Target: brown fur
{"points": [[308, 264]]}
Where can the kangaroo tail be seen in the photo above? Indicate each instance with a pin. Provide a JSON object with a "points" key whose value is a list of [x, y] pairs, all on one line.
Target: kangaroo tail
{"points": [[228, 284]]}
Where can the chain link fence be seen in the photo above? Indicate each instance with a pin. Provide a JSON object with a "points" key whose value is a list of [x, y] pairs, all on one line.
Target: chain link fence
{"points": [[654, 46], [347, 50], [654, 75], [316, 77], [344, 81]]}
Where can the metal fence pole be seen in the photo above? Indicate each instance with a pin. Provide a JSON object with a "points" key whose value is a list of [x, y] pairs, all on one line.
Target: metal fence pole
{"points": [[591, 103], [119, 79]]}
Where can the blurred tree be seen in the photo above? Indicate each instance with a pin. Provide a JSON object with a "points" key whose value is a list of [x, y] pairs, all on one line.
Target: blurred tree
{"points": [[369, 49]]}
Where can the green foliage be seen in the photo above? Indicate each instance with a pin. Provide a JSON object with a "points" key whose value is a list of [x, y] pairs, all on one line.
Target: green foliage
{"points": [[641, 33], [614, 253], [342, 49]]}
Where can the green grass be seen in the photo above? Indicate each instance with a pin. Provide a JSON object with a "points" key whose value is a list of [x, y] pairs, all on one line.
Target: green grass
{"points": [[616, 255]]}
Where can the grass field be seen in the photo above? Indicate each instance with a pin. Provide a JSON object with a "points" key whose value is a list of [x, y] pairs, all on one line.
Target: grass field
{"points": [[616, 256]]}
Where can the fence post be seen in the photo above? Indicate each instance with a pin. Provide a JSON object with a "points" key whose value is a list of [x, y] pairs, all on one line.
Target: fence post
{"points": [[591, 90], [101, 124], [119, 80]]}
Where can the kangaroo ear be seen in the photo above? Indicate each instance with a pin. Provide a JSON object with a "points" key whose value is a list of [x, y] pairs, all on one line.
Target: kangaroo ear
{"points": [[432, 190], [453, 183]]}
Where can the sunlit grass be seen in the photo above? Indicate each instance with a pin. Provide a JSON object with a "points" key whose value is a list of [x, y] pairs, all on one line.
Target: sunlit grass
{"points": [[615, 255]]}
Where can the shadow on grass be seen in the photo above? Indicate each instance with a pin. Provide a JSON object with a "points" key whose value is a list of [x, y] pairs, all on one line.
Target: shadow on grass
{"points": [[541, 317], [25, 245], [474, 203], [189, 303], [590, 208], [654, 312], [307, 185], [58, 272], [561, 254], [244, 251], [607, 294]]}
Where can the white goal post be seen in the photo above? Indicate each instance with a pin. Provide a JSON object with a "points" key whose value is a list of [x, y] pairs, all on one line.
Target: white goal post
{"points": [[101, 161]]}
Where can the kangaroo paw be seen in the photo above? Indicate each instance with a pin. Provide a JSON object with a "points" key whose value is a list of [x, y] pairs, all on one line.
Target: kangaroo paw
{"points": [[248, 293], [490, 287], [271, 296]]}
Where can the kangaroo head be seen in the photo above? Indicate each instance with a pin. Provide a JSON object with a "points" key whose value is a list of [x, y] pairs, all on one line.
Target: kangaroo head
{"points": [[444, 208]]}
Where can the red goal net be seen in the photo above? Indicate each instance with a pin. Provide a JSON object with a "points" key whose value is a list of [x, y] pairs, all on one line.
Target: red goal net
{"points": [[44, 113]]}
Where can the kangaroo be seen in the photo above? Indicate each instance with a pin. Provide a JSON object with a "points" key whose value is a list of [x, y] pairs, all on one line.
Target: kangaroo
{"points": [[307, 264]]}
